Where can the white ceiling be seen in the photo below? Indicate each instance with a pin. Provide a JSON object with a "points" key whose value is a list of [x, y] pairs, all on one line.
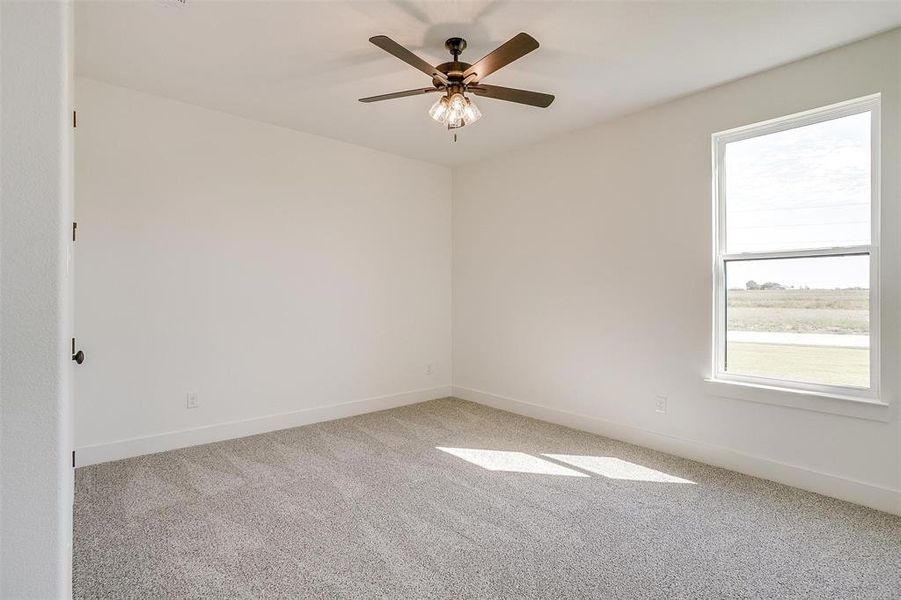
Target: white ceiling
{"points": [[304, 64]]}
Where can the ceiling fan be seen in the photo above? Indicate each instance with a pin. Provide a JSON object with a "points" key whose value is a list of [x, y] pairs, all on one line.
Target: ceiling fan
{"points": [[455, 79]]}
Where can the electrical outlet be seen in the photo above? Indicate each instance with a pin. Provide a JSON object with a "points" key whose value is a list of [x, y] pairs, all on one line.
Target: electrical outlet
{"points": [[429, 369], [192, 400], [661, 404]]}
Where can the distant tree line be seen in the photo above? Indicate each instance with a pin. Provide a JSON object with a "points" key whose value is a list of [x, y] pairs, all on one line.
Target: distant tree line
{"points": [[772, 285], [769, 285]]}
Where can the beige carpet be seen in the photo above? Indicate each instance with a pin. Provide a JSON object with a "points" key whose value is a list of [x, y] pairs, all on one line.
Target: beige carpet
{"points": [[449, 499]]}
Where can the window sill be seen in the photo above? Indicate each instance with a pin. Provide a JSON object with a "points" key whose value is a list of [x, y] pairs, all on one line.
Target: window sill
{"points": [[848, 406]]}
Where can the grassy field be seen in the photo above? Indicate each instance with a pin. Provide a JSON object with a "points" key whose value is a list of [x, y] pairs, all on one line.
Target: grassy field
{"points": [[810, 364], [799, 311]]}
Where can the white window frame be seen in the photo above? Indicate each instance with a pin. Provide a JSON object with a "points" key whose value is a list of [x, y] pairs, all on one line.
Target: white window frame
{"points": [[869, 104]]}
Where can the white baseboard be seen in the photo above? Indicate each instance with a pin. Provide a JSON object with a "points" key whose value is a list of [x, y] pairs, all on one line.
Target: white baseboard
{"points": [[858, 492], [99, 453]]}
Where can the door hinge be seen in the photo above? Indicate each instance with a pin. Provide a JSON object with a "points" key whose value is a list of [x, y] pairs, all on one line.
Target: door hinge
{"points": [[74, 227], [73, 459], [74, 119]]}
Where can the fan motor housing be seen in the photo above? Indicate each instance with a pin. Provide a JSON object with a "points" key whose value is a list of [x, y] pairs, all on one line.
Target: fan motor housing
{"points": [[453, 70]]}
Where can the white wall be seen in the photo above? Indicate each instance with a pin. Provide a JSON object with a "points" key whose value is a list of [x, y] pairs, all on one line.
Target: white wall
{"points": [[582, 282], [35, 212], [274, 273]]}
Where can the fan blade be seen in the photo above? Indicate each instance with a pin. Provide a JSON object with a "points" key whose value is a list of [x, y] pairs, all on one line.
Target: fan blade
{"points": [[392, 47], [403, 94], [514, 48], [512, 95]]}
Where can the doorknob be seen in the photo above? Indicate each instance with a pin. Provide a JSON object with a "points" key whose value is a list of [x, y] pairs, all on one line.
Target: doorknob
{"points": [[78, 357]]}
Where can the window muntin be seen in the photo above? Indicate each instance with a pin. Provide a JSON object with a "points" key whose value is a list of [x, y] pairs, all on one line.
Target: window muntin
{"points": [[796, 263]]}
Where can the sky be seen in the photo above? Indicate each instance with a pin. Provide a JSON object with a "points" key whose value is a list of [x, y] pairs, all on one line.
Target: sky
{"points": [[807, 187]]}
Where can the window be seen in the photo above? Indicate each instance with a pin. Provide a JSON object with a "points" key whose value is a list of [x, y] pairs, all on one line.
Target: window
{"points": [[797, 286]]}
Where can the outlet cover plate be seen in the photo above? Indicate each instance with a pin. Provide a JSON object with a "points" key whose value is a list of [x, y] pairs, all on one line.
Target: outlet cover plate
{"points": [[660, 405]]}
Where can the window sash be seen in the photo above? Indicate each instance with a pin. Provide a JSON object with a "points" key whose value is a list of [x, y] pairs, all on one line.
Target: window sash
{"points": [[812, 253], [869, 104]]}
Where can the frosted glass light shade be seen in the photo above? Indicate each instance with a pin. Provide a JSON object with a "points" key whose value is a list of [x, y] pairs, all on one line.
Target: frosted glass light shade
{"points": [[439, 110], [457, 105], [471, 113]]}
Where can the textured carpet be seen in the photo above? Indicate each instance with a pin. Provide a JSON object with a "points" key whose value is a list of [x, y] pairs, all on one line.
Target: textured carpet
{"points": [[373, 507]]}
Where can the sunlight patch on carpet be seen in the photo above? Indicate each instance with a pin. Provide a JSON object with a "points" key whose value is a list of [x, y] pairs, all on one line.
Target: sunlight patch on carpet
{"points": [[515, 462], [616, 468]]}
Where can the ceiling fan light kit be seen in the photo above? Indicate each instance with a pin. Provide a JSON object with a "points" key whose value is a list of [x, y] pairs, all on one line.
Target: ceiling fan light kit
{"points": [[455, 79], [455, 112]]}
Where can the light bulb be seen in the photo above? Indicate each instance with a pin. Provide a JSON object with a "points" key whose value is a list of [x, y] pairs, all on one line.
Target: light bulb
{"points": [[439, 110], [471, 112], [456, 106], [457, 102]]}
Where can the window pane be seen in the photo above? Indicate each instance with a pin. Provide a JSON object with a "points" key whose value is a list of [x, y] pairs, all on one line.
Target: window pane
{"points": [[800, 319], [807, 187]]}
